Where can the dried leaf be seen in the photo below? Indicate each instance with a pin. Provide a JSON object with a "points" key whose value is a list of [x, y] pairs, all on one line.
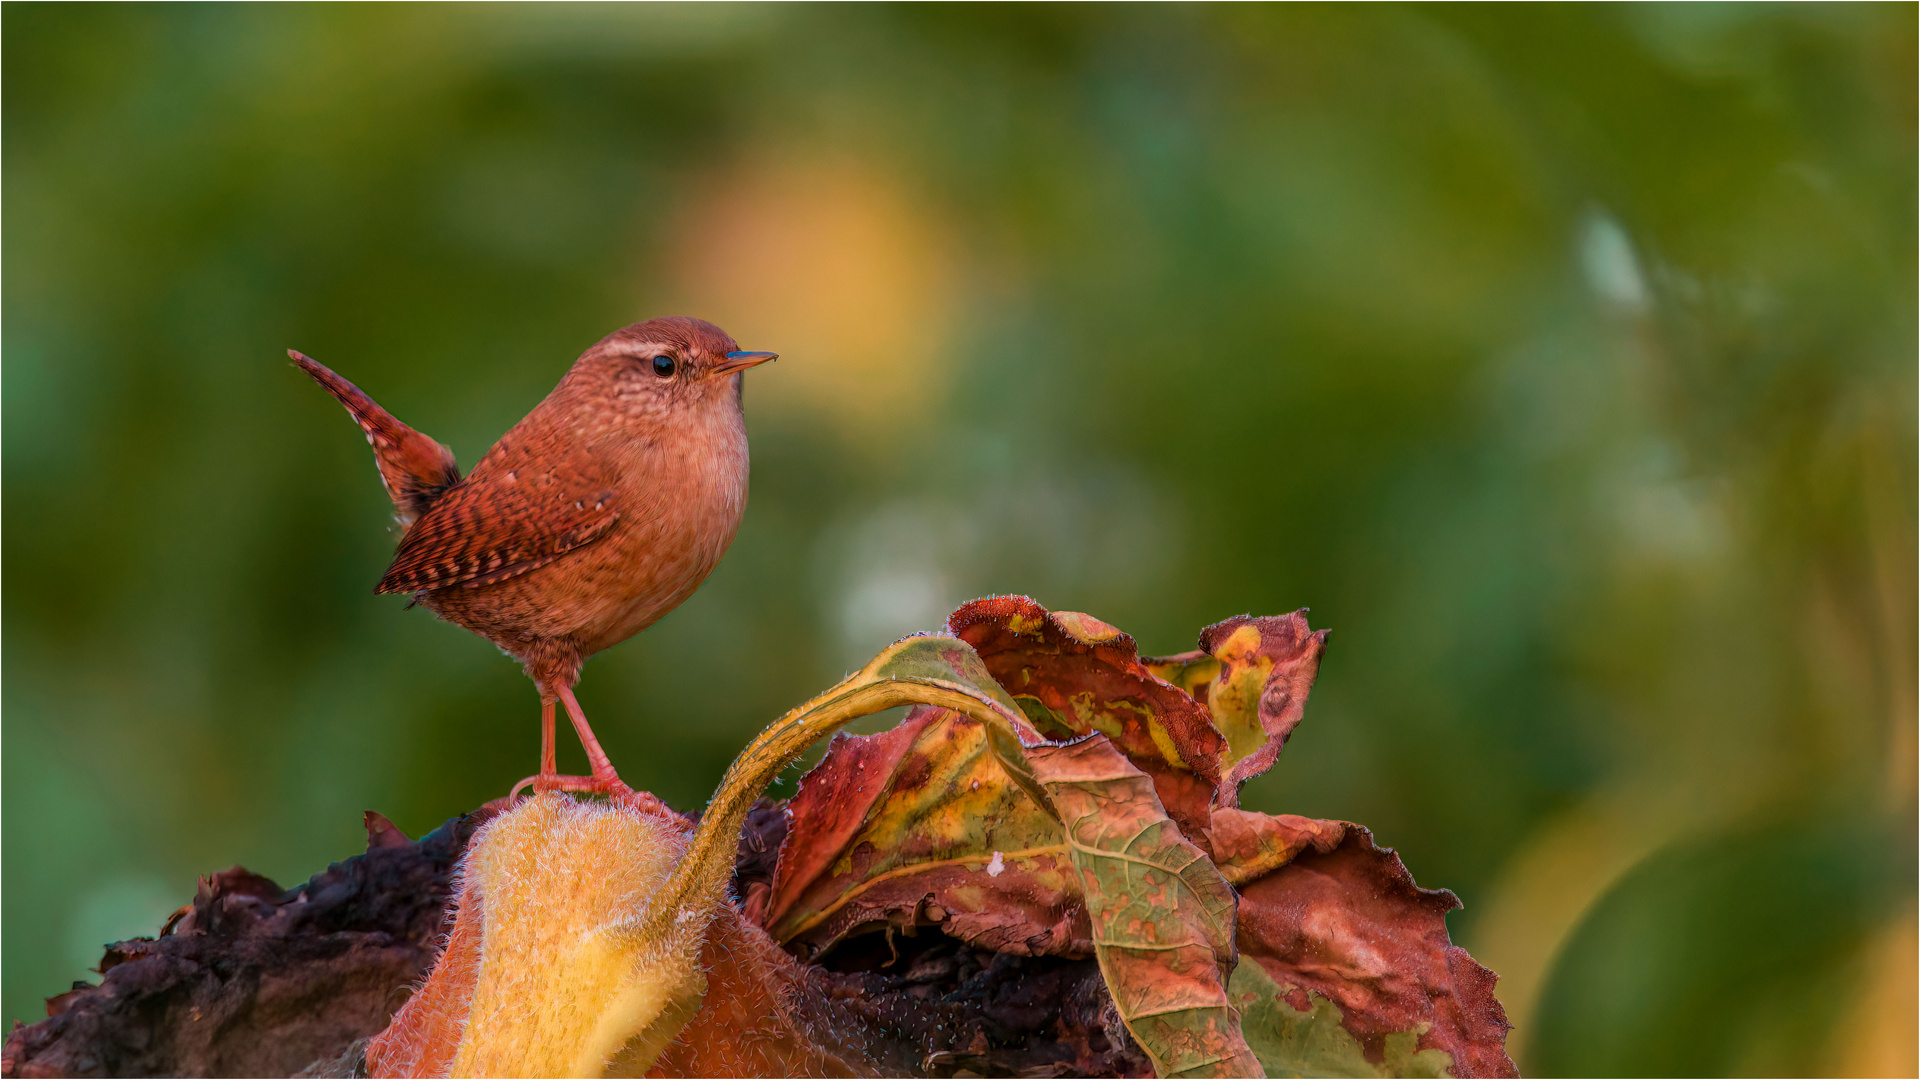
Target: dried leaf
{"points": [[1200, 723], [760, 1017], [926, 669], [1348, 925], [1248, 845], [1162, 916], [1255, 688], [1073, 675], [901, 828], [382, 833]]}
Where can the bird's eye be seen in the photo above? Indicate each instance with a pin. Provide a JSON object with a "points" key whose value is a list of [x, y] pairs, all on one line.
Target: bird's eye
{"points": [[663, 366]]}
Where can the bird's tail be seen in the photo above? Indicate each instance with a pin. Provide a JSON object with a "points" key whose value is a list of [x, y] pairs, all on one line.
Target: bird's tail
{"points": [[415, 469]]}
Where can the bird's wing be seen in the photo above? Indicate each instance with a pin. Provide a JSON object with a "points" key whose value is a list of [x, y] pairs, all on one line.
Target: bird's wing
{"points": [[491, 527], [415, 469]]}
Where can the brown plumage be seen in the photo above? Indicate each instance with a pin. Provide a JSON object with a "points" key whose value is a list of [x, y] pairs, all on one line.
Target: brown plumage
{"points": [[589, 520]]}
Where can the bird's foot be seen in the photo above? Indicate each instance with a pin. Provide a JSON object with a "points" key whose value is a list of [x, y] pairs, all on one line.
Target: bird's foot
{"points": [[541, 783], [608, 784]]}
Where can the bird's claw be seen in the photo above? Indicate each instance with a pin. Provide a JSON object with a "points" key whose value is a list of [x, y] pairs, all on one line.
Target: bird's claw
{"points": [[611, 786]]}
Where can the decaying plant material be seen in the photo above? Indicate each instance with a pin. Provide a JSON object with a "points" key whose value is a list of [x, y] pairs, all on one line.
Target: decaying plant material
{"points": [[1042, 870]]}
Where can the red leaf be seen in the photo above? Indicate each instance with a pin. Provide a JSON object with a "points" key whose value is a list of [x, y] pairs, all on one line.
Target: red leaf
{"points": [[1249, 845], [1272, 659], [1350, 925], [1076, 675], [904, 827]]}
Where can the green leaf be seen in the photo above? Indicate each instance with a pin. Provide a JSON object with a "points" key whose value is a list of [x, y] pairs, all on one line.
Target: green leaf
{"points": [[1290, 1042]]}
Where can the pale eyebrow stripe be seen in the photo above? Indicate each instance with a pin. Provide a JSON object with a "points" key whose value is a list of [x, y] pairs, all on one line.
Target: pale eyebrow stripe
{"points": [[647, 353]]}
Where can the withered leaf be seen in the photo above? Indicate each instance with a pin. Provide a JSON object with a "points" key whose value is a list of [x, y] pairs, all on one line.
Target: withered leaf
{"points": [[1162, 916], [1347, 926], [921, 825], [1073, 675], [1254, 675], [1248, 845], [760, 1017]]}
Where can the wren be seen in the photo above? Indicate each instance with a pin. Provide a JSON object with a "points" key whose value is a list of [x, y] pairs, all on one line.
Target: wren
{"points": [[597, 514]]}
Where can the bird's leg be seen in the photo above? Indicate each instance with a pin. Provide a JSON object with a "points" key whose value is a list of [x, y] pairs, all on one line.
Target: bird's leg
{"points": [[547, 766], [604, 781], [549, 776], [604, 778]]}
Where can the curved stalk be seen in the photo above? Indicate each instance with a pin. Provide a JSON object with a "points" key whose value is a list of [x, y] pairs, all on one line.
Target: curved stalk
{"points": [[698, 880]]}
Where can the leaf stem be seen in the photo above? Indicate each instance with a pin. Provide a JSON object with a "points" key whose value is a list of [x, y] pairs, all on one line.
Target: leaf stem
{"points": [[698, 881]]}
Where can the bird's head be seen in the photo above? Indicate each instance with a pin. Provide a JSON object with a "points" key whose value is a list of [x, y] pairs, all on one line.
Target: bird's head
{"points": [[672, 365]]}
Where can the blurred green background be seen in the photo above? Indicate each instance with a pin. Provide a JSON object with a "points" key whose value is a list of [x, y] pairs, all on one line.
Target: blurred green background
{"points": [[1562, 359]]}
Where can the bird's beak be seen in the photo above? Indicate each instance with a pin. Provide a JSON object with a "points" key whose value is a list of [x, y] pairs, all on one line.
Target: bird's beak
{"points": [[741, 361]]}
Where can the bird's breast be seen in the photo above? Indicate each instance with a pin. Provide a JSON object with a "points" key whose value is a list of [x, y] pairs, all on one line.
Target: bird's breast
{"points": [[680, 508]]}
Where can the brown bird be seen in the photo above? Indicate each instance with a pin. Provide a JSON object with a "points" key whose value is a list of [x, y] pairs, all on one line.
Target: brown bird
{"points": [[589, 520]]}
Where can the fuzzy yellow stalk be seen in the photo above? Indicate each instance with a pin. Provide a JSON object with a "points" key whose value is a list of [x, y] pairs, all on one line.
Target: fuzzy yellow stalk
{"points": [[554, 990]]}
